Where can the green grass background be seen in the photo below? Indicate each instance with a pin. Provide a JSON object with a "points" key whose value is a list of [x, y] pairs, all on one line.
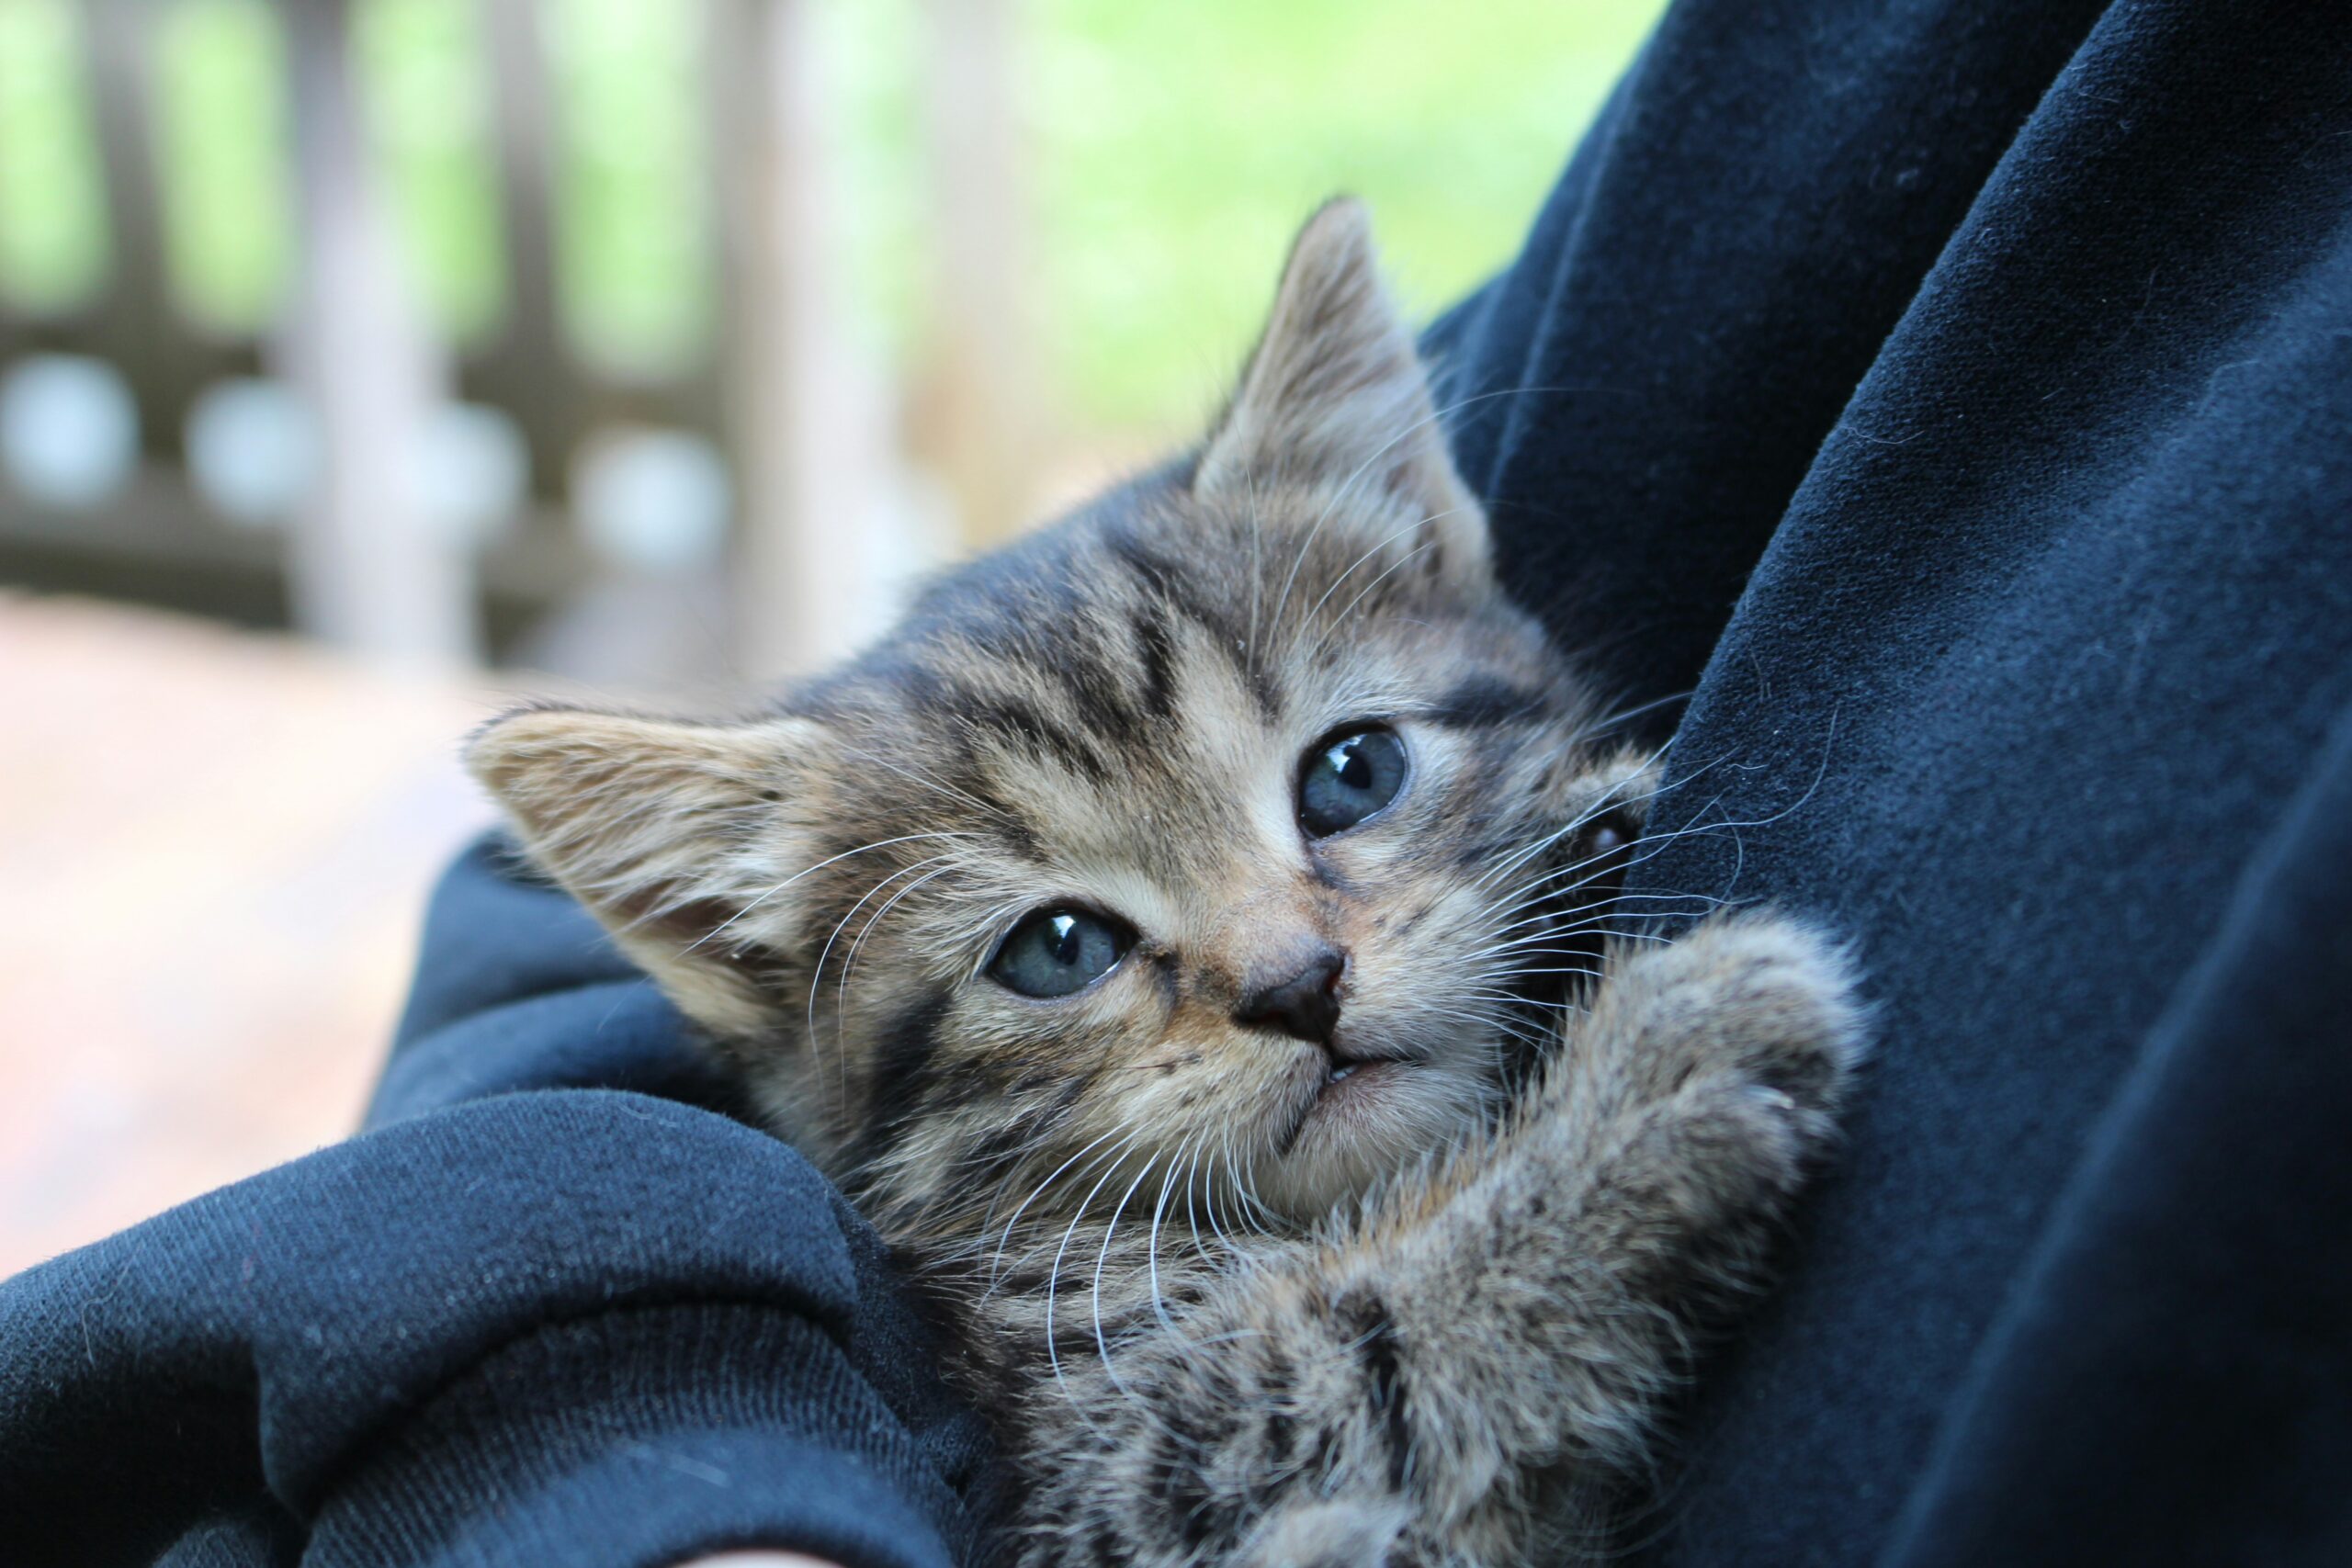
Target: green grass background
{"points": [[1172, 146]]}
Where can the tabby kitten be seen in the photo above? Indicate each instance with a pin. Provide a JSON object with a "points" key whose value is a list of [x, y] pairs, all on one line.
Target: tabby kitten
{"points": [[1180, 936]]}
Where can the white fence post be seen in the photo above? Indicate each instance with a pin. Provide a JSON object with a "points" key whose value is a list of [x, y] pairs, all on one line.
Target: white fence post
{"points": [[803, 407], [369, 571], [978, 413]]}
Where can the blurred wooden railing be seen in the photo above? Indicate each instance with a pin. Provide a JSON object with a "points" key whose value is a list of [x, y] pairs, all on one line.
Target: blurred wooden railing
{"points": [[804, 427]]}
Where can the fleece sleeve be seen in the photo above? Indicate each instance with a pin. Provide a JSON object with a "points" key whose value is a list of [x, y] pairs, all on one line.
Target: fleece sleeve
{"points": [[520, 1320]]}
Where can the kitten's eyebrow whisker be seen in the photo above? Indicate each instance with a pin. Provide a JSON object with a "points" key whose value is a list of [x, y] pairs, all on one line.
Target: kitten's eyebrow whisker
{"points": [[1601, 727], [849, 963], [1696, 825], [862, 849], [1608, 800], [1639, 851], [1341, 619], [985, 925], [1583, 818], [817, 974], [1412, 527]]}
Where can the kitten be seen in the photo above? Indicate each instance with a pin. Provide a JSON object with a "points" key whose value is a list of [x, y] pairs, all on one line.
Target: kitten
{"points": [[1180, 936]]}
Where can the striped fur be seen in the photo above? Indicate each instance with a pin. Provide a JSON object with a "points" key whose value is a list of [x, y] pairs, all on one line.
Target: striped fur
{"points": [[1223, 1313]]}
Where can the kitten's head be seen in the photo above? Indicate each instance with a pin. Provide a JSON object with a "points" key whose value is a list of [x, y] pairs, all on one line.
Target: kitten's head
{"points": [[1211, 841]]}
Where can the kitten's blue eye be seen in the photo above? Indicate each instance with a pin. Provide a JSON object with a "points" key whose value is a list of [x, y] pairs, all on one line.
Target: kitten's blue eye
{"points": [[1349, 778], [1056, 951]]}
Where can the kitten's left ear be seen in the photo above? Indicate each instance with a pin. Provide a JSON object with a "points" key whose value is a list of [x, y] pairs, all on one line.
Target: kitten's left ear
{"points": [[1335, 395], [669, 832]]}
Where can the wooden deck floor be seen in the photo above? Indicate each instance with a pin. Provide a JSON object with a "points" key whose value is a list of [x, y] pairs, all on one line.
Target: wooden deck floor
{"points": [[214, 848]]}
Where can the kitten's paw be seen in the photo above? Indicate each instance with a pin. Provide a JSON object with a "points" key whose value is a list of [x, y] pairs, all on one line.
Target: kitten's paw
{"points": [[1357, 1532], [1757, 1000]]}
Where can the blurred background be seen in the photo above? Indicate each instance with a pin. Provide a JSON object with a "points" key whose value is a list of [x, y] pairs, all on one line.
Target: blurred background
{"points": [[362, 361]]}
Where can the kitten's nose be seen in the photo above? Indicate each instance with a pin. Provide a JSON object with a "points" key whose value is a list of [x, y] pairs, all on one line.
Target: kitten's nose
{"points": [[1306, 1004]]}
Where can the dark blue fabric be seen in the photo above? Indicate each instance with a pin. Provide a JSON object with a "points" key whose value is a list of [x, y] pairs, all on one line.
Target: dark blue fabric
{"points": [[519, 1321], [506, 972], [1954, 403], [1957, 399]]}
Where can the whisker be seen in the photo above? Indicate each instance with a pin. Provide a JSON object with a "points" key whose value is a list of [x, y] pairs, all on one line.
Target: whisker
{"points": [[1151, 1239], [862, 849], [816, 975], [952, 792], [1583, 818], [849, 964], [1054, 1273], [1597, 914], [1102, 1260], [1341, 621], [997, 1268], [1411, 527]]}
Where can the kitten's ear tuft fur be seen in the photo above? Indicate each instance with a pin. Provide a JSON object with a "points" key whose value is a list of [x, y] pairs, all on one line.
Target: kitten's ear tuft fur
{"points": [[666, 831], [1335, 394]]}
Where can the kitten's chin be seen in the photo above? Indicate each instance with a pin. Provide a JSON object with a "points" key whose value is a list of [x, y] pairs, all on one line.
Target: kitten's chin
{"points": [[1342, 1135]]}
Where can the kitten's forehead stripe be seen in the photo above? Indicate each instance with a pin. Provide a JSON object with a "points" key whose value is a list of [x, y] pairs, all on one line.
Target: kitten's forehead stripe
{"points": [[1483, 700], [1166, 582], [1156, 645], [1036, 727]]}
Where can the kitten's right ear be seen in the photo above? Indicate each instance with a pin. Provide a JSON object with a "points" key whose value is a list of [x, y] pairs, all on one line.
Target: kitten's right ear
{"points": [[669, 833], [1335, 394]]}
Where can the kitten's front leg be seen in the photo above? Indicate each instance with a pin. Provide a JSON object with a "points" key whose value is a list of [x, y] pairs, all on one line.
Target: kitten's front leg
{"points": [[1442, 1383], [1542, 1299]]}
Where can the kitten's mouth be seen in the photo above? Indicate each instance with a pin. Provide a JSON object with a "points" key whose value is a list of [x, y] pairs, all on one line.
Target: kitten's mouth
{"points": [[1341, 1086], [1345, 1058], [1361, 1074]]}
